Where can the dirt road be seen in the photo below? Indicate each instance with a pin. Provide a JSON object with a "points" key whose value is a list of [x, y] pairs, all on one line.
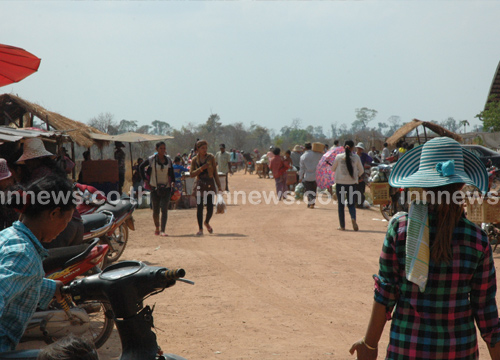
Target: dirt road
{"points": [[272, 282]]}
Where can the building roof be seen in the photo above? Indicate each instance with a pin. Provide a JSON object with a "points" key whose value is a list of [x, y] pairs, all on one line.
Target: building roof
{"points": [[17, 112], [495, 87], [412, 125]]}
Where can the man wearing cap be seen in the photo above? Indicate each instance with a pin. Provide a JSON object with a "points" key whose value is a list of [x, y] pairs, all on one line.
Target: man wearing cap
{"points": [[366, 161], [223, 159], [307, 174], [120, 157]]}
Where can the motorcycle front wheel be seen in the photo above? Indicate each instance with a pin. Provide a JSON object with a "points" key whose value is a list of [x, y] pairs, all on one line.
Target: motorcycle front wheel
{"points": [[118, 242], [100, 326]]}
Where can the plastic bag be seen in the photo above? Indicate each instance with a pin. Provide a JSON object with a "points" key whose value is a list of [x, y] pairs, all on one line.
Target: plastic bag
{"points": [[299, 191], [220, 205]]}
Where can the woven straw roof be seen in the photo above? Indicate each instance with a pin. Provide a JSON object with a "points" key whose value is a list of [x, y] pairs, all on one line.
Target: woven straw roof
{"points": [[495, 87], [412, 125], [16, 111]]}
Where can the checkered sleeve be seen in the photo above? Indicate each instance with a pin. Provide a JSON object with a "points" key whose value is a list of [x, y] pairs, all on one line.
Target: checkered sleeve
{"points": [[482, 298], [388, 278], [47, 292]]}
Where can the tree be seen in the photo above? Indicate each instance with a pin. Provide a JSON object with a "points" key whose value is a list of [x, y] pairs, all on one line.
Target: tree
{"points": [[464, 123], [363, 117], [490, 116], [104, 122], [127, 125], [144, 129], [161, 128], [450, 124]]}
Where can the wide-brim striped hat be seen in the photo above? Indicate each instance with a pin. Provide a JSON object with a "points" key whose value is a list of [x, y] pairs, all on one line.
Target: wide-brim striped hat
{"points": [[440, 161]]}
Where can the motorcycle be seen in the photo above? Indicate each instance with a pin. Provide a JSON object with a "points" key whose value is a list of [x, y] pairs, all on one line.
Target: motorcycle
{"points": [[250, 167], [124, 286], [87, 319], [122, 210], [398, 197]]}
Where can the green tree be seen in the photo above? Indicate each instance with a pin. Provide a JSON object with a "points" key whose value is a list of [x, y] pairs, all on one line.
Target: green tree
{"points": [[464, 123], [363, 117], [127, 125], [161, 127], [450, 124], [490, 116]]}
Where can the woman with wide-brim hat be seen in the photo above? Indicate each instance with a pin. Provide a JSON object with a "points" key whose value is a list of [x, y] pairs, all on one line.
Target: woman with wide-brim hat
{"points": [[204, 168], [436, 271]]}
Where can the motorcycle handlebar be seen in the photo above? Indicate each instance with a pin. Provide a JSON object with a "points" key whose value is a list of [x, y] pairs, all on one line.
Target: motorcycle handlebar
{"points": [[174, 274]]}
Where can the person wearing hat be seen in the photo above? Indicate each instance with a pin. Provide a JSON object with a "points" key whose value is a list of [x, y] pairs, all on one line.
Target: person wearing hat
{"points": [[204, 168], [223, 160], [36, 161], [366, 161], [120, 157], [436, 275], [295, 156]]}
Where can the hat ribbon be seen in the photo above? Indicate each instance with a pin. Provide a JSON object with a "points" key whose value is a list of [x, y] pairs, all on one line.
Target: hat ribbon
{"points": [[446, 168]]}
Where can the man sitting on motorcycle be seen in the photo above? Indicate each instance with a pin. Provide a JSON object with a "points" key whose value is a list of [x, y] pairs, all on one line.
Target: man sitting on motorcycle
{"points": [[46, 207]]}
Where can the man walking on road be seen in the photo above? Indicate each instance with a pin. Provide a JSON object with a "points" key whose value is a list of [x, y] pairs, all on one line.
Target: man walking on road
{"points": [[223, 159], [307, 174]]}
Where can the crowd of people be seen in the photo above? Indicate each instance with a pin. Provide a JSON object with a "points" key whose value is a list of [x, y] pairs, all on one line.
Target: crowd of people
{"points": [[436, 296]]}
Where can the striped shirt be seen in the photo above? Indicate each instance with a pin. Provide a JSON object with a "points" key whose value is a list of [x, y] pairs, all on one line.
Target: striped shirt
{"points": [[22, 283], [439, 323]]}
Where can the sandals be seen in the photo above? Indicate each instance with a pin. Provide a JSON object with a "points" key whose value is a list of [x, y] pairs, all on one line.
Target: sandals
{"points": [[157, 232], [163, 234], [209, 228], [199, 233], [354, 225], [341, 228]]}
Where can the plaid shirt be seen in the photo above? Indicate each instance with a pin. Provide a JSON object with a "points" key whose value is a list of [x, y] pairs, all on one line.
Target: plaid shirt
{"points": [[22, 286], [439, 323]]}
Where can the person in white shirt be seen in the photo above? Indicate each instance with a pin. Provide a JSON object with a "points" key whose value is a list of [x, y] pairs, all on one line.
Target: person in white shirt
{"points": [[348, 168], [385, 153]]}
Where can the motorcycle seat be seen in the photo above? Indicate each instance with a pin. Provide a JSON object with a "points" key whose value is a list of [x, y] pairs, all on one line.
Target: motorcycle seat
{"points": [[20, 355], [94, 221], [119, 209], [58, 256]]}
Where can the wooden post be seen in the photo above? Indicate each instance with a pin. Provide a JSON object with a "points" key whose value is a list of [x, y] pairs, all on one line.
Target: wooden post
{"points": [[73, 172], [131, 160], [418, 138], [31, 120], [47, 122], [425, 133]]}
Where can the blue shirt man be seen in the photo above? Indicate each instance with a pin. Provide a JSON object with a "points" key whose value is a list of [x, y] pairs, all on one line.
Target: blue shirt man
{"points": [[22, 283]]}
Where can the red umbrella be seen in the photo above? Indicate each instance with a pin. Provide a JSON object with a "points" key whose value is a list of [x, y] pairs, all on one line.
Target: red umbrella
{"points": [[16, 64]]}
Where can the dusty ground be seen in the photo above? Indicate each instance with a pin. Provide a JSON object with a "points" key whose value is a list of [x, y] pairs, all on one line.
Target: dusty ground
{"points": [[272, 282]]}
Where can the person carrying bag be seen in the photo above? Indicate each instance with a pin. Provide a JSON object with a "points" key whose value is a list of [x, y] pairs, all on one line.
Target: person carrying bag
{"points": [[161, 182]]}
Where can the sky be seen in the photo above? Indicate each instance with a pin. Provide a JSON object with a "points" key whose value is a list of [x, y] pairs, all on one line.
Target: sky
{"points": [[261, 62]]}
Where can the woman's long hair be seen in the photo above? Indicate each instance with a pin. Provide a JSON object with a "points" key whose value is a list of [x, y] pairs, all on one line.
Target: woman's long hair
{"points": [[448, 213], [348, 145]]}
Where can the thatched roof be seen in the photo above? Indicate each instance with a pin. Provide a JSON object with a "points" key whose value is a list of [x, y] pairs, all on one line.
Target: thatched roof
{"points": [[495, 87], [18, 112], [412, 125]]}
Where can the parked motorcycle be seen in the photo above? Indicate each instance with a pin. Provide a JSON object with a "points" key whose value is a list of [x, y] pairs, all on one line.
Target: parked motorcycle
{"points": [[87, 319], [124, 285], [122, 210], [398, 197]]}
